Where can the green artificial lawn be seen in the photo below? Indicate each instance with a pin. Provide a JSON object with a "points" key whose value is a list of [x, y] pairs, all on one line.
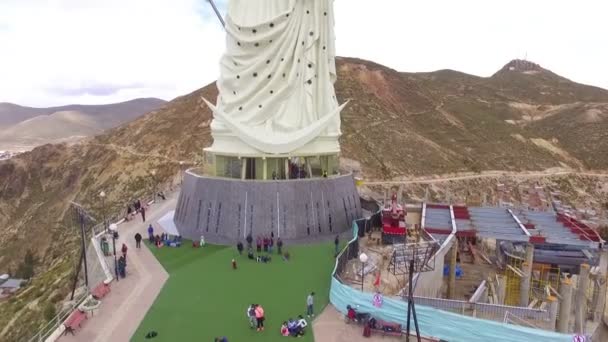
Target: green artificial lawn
{"points": [[205, 298]]}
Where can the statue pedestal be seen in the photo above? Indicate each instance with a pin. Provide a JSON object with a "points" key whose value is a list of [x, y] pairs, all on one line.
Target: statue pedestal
{"points": [[226, 210]]}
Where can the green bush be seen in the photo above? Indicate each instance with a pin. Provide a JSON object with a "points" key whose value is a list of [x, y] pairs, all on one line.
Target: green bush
{"points": [[49, 312]]}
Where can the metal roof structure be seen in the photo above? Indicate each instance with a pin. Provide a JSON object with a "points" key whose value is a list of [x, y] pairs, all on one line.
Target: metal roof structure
{"points": [[508, 225]]}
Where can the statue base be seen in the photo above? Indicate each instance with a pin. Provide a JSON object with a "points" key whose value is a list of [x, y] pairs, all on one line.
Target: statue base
{"points": [[226, 210]]}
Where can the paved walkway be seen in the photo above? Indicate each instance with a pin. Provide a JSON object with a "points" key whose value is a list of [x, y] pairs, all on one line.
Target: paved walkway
{"points": [[124, 308], [330, 327]]}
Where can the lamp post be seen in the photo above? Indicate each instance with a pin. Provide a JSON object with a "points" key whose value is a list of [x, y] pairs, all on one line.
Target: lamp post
{"points": [[153, 173], [181, 172], [102, 194], [113, 229], [363, 258]]}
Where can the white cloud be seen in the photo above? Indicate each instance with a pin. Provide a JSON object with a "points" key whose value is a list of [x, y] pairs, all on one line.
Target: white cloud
{"points": [[52, 51]]}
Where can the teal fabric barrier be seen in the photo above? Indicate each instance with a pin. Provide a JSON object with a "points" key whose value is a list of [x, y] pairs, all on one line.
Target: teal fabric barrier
{"points": [[437, 323]]}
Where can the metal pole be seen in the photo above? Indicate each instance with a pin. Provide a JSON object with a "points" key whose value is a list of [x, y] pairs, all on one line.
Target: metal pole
{"points": [[115, 261], [103, 211], [84, 249], [77, 274], [409, 302], [362, 275], [219, 16]]}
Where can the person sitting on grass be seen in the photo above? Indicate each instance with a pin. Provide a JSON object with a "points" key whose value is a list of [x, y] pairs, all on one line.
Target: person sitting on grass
{"points": [[221, 339], [263, 258], [291, 327], [286, 256], [250, 254], [301, 324], [284, 329]]}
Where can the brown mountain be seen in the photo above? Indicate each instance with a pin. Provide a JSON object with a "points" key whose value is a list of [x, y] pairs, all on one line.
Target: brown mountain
{"points": [[26, 127], [521, 118]]}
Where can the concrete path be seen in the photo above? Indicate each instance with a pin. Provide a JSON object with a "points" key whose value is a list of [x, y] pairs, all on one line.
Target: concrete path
{"points": [[124, 308], [330, 327]]}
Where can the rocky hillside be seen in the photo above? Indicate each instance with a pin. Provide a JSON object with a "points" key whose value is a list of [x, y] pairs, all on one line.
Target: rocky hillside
{"points": [[397, 124]]}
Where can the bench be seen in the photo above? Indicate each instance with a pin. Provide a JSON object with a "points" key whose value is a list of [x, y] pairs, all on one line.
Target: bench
{"points": [[100, 291], [388, 328], [74, 320]]}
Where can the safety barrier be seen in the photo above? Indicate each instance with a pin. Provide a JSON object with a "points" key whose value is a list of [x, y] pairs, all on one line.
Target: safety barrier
{"points": [[433, 322]]}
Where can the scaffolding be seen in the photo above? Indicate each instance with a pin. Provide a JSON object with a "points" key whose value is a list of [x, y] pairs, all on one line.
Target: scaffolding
{"points": [[513, 276], [544, 282]]}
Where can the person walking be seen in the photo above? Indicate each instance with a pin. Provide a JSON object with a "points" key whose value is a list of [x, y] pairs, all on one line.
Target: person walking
{"points": [[249, 240], [124, 250], [251, 316], [137, 240], [239, 247], [310, 300], [337, 243], [259, 316]]}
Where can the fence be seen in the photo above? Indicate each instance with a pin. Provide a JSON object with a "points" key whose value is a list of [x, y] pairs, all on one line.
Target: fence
{"points": [[56, 321], [432, 321]]}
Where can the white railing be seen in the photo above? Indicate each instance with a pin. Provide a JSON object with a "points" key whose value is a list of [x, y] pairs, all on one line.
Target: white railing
{"points": [[57, 321], [484, 310]]}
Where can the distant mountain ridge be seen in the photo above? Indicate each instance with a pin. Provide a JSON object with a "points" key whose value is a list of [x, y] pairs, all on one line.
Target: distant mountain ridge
{"points": [[30, 127], [396, 125]]}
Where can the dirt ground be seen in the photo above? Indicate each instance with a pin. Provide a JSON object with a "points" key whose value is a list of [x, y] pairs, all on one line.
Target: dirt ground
{"points": [[330, 327]]}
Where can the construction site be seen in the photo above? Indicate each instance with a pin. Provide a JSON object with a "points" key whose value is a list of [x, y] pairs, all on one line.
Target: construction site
{"points": [[536, 266]]}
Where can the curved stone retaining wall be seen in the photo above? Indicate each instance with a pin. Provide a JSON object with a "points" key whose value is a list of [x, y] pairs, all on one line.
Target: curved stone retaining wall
{"points": [[227, 210]]}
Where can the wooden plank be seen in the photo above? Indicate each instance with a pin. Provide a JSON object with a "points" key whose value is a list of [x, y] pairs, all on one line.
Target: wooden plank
{"points": [[515, 270]]}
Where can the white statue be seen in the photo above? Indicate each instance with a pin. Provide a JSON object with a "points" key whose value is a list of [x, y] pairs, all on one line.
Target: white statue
{"points": [[276, 92]]}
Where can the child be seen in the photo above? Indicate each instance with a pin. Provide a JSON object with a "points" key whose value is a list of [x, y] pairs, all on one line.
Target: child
{"points": [[233, 264], [284, 330]]}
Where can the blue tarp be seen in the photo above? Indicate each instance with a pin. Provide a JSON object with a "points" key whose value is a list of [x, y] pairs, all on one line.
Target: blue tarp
{"points": [[437, 323]]}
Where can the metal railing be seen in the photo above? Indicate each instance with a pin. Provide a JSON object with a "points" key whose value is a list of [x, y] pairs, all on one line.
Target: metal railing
{"points": [[56, 321]]}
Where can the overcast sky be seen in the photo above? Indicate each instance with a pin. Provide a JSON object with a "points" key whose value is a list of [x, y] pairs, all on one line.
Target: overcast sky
{"points": [[55, 52]]}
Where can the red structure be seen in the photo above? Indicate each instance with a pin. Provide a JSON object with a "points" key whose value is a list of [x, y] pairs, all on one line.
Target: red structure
{"points": [[583, 231], [393, 218]]}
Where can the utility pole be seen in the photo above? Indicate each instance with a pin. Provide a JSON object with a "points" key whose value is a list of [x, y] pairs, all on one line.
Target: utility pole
{"points": [[80, 218]]}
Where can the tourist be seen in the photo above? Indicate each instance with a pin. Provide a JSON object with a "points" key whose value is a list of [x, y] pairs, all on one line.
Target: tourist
{"points": [[279, 245], [233, 264], [124, 250], [259, 316], [143, 214], [258, 244], [239, 247], [250, 254], [202, 242], [151, 233], [122, 267], [137, 240], [337, 243], [265, 243], [249, 240], [292, 327], [251, 316], [270, 244], [129, 212], [286, 256], [284, 329], [310, 300], [158, 242], [221, 339]]}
